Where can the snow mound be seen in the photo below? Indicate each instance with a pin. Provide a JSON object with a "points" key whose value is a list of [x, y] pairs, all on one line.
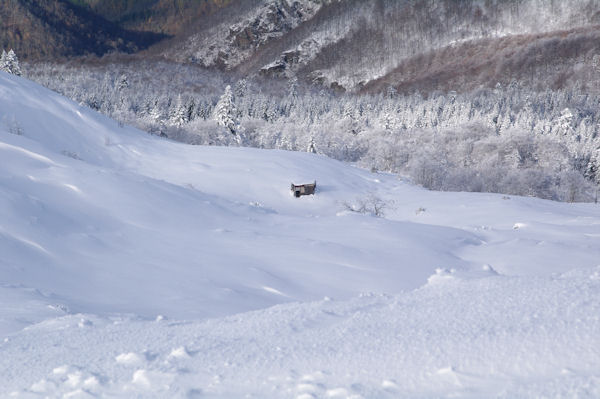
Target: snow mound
{"points": [[137, 224], [454, 340], [110, 238]]}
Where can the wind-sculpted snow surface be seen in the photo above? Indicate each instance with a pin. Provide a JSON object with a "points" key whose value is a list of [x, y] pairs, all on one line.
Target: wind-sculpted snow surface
{"points": [[134, 266], [492, 337]]}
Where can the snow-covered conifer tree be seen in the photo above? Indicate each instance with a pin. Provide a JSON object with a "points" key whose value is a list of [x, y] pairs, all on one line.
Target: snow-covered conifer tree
{"points": [[190, 109], [293, 88], [147, 105], [391, 92], [204, 110], [122, 82], [4, 61], [389, 118], [10, 63], [15, 68], [224, 113], [311, 145], [156, 112], [179, 117], [268, 113], [565, 122], [241, 88]]}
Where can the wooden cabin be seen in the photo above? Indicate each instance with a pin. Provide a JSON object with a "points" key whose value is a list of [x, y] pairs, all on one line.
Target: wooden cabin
{"points": [[303, 189]]}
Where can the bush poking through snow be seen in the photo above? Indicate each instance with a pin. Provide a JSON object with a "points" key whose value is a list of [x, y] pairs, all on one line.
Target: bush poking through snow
{"points": [[15, 128], [371, 205], [71, 154]]}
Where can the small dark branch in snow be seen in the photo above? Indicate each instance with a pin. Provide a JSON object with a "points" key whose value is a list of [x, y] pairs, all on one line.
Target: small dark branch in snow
{"points": [[372, 205]]}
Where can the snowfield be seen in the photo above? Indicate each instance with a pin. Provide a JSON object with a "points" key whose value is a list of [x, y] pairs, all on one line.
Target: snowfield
{"points": [[132, 266]]}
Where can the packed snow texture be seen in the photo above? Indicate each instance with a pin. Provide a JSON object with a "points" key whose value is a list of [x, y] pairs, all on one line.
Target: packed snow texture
{"points": [[132, 266]]}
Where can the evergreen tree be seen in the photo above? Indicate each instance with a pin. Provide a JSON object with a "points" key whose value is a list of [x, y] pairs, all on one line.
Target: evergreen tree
{"points": [[122, 83], [190, 110], [311, 146], [10, 63], [156, 113], [565, 122], [4, 61], [241, 88], [389, 118], [293, 88], [179, 117], [204, 110], [13, 62], [224, 113], [391, 92]]}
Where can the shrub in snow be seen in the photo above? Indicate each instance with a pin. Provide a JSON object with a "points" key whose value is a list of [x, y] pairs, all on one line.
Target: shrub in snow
{"points": [[14, 127], [371, 205]]}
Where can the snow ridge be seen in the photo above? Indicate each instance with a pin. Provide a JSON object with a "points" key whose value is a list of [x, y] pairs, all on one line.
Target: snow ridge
{"points": [[458, 339]]}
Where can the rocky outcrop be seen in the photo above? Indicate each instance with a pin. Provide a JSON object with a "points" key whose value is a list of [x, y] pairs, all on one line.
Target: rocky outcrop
{"points": [[231, 43]]}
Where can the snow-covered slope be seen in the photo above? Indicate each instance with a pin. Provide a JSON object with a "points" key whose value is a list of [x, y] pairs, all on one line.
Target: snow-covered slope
{"points": [[104, 228], [348, 43], [229, 43], [88, 208], [508, 337]]}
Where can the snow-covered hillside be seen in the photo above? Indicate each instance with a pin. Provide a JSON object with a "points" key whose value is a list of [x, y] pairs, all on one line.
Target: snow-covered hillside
{"points": [[231, 42], [134, 266], [347, 44]]}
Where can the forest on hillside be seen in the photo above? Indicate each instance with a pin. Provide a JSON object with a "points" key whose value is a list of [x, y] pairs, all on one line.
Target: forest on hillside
{"points": [[507, 139], [159, 16]]}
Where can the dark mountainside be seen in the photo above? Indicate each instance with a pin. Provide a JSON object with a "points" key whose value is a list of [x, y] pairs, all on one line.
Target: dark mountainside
{"points": [[554, 60], [363, 46], [159, 16], [50, 29]]}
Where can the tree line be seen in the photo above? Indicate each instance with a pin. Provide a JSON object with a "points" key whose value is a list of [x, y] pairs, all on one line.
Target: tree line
{"points": [[508, 139]]}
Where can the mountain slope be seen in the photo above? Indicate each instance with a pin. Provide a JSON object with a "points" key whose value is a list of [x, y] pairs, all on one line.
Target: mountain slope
{"points": [[347, 44], [48, 29], [240, 30], [160, 16], [555, 60]]}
